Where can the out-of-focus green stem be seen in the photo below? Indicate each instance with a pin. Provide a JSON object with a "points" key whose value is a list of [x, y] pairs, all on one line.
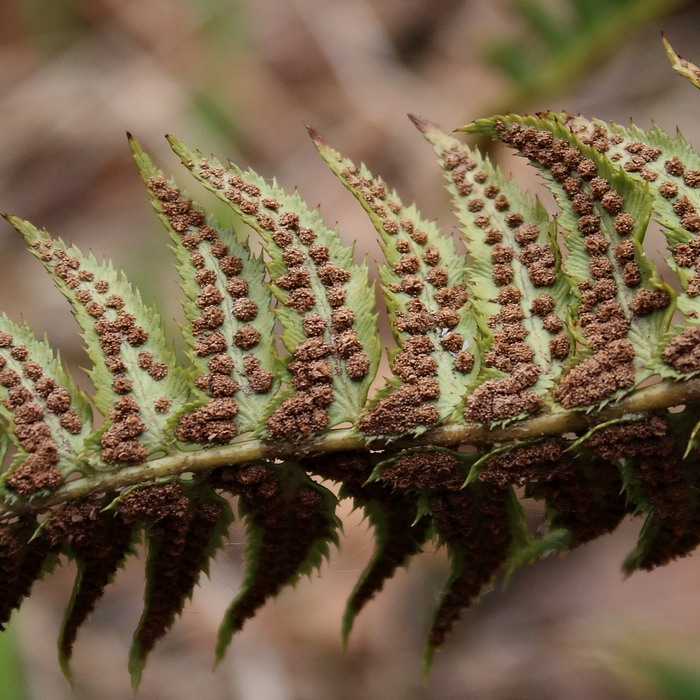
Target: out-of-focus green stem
{"points": [[583, 51], [13, 679]]}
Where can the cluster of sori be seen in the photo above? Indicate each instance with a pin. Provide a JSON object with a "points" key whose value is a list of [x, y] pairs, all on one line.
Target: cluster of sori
{"points": [[511, 333]]}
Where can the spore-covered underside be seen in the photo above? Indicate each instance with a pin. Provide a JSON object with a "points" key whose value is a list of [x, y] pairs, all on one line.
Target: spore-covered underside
{"points": [[515, 373]]}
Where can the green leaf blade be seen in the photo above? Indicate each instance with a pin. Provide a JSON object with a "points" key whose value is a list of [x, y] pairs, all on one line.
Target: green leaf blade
{"points": [[423, 282], [326, 310], [48, 417], [624, 308], [228, 307], [517, 283], [671, 169], [140, 397]]}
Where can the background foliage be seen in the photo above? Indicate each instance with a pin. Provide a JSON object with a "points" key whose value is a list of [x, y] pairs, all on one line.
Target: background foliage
{"points": [[239, 79]]}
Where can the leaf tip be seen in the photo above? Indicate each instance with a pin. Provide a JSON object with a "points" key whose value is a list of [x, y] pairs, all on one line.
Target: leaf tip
{"points": [[421, 124], [136, 666], [175, 144], [64, 663], [222, 642], [428, 658], [347, 624], [316, 137]]}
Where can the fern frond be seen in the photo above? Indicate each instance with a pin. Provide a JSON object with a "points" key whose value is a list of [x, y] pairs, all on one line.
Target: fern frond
{"points": [[517, 283], [624, 308], [431, 318], [518, 370], [670, 168], [326, 310], [139, 398], [23, 560], [228, 306], [290, 524], [183, 531], [99, 542], [46, 415], [399, 529]]}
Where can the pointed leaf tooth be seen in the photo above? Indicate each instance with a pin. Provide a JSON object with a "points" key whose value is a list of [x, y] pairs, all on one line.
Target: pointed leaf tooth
{"points": [[290, 524], [423, 283], [49, 417], [517, 282], [119, 331], [624, 307], [328, 300], [228, 306]]}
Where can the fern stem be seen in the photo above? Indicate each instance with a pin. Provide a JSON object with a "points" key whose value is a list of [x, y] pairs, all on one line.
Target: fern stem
{"points": [[658, 396]]}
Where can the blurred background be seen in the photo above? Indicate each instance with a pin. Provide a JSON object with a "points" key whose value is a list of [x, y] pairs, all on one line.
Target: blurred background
{"points": [[240, 78]]}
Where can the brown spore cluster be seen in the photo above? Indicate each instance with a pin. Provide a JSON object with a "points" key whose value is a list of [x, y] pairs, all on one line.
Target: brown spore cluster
{"points": [[542, 461], [30, 396], [430, 304], [683, 352], [603, 321], [22, 558], [473, 523], [430, 469], [512, 242], [154, 503], [598, 377], [667, 481], [213, 422], [287, 529], [116, 329], [99, 542], [401, 534], [332, 346]]}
